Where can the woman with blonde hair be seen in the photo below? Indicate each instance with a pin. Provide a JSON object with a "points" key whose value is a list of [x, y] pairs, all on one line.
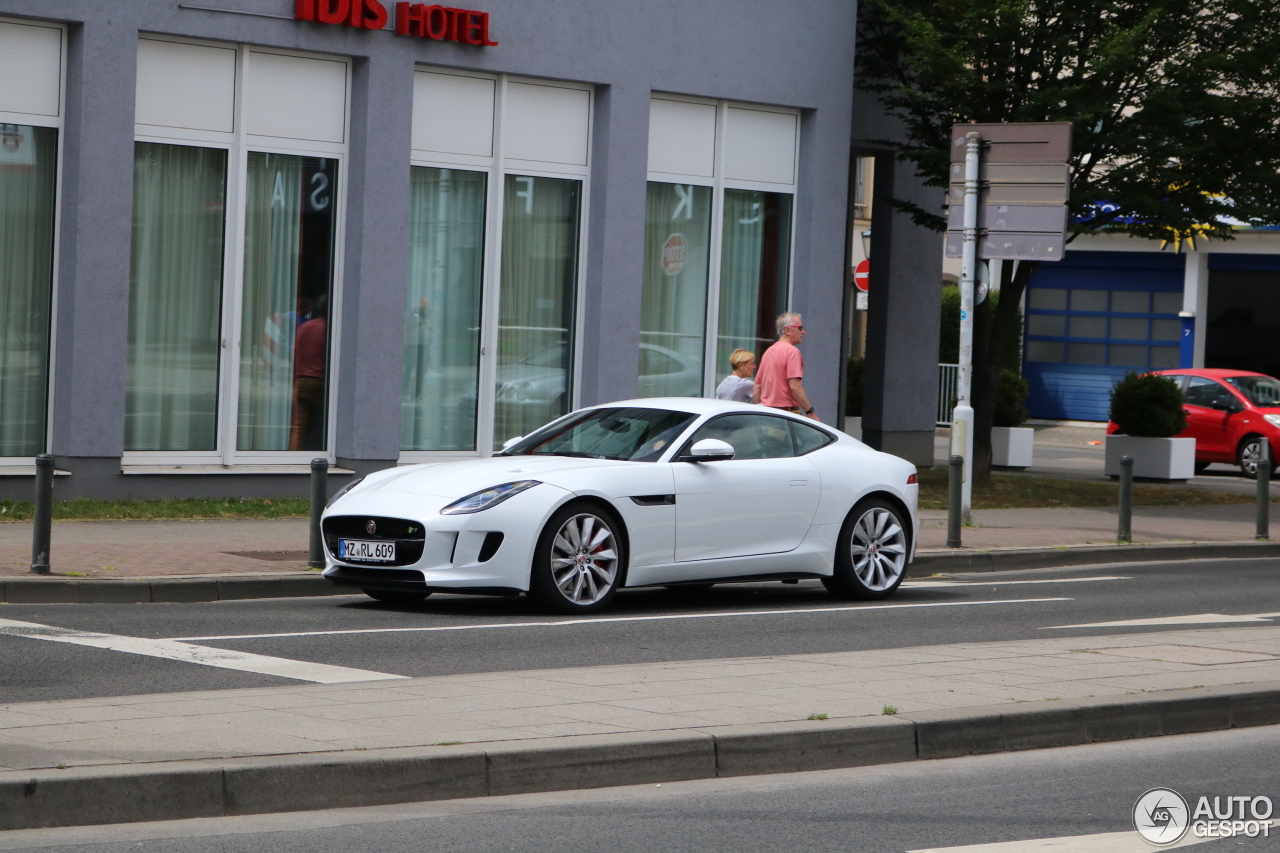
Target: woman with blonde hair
{"points": [[737, 386]]}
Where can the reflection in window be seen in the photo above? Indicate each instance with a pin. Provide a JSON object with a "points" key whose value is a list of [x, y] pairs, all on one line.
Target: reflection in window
{"points": [[754, 271], [288, 271], [28, 171], [535, 302], [442, 310], [175, 298], [752, 436], [673, 308]]}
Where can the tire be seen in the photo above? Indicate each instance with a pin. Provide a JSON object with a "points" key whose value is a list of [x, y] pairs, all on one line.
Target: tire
{"points": [[871, 554], [1247, 456], [580, 560], [1201, 467], [389, 597]]}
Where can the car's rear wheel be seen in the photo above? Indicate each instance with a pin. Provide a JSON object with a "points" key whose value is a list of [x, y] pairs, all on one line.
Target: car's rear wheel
{"points": [[390, 597], [1249, 454], [580, 560], [871, 554]]}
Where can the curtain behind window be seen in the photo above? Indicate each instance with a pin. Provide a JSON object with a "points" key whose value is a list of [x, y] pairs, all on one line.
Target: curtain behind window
{"points": [[754, 270], [28, 167], [442, 309], [175, 297], [673, 308], [538, 285]]}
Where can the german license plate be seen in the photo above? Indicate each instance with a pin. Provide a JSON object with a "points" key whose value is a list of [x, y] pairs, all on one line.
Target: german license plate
{"points": [[378, 552]]}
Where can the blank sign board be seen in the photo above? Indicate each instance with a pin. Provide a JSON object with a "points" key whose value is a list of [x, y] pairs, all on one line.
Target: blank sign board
{"points": [[31, 66], [1016, 142], [1012, 217], [1011, 246], [453, 113]]}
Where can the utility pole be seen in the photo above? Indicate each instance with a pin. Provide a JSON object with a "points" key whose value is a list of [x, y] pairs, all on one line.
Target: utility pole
{"points": [[962, 418]]}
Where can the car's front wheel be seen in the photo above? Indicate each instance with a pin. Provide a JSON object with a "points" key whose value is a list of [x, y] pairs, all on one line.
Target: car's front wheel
{"points": [[1250, 454], [580, 560], [871, 555]]}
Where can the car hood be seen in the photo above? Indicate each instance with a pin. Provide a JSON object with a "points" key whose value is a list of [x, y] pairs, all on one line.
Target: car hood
{"points": [[459, 479]]}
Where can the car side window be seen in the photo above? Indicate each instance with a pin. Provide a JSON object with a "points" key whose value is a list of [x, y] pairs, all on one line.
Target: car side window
{"points": [[808, 439], [1202, 391], [752, 436]]}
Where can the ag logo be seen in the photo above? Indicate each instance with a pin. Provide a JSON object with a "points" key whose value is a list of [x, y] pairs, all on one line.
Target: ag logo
{"points": [[1161, 816]]}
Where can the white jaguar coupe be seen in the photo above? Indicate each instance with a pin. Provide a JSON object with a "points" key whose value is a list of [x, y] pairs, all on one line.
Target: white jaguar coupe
{"points": [[676, 492]]}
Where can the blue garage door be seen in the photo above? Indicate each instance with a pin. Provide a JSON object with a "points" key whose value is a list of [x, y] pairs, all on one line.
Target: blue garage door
{"points": [[1095, 315]]}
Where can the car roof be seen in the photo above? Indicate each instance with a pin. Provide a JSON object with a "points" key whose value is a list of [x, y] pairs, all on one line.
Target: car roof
{"points": [[1209, 372], [692, 405]]}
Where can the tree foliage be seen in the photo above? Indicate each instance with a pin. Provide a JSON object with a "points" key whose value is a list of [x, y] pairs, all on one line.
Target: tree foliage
{"points": [[1175, 103]]}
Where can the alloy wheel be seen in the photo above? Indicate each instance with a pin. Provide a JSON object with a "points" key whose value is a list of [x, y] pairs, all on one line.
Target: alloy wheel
{"points": [[584, 559], [1250, 456], [878, 549]]}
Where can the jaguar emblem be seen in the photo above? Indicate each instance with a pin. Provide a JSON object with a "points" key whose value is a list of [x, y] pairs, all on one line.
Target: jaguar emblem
{"points": [[371, 527]]}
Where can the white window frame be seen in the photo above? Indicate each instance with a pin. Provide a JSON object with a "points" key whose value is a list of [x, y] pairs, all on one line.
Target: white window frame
{"points": [[238, 143], [719, 183], [25, 465], [496, 168]]}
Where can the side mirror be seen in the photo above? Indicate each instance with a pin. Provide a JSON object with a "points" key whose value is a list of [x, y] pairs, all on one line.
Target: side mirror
{"points": [[1227, 404], [709, 450], [512, 442]]}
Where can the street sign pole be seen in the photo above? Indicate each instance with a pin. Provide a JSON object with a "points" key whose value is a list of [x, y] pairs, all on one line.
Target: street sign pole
{"points": [[962, 417]]}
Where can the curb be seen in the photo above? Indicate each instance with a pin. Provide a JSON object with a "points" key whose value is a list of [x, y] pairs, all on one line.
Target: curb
{"points": [[1013, 559], [165, 590], [266, 784]]}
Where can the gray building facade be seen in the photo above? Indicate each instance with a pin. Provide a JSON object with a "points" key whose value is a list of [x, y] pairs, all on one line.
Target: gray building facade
{"points": [[255, 232]]}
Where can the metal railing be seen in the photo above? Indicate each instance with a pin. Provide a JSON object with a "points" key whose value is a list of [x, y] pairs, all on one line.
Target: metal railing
{"points": [[948, 375]]}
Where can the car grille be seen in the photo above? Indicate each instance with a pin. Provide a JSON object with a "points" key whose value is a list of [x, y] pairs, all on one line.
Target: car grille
{"points": [[409, 536]]}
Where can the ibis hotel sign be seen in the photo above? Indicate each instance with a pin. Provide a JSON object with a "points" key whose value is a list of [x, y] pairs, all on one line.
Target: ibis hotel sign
{"points": [[441, 23]]}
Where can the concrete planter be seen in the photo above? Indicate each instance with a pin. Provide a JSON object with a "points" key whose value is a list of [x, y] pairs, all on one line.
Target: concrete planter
{"points": [[1154, 458], [1012, 447]]}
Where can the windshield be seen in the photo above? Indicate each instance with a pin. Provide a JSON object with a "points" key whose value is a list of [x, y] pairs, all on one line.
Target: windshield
{"points": [[638, 435], [1261, 390]]}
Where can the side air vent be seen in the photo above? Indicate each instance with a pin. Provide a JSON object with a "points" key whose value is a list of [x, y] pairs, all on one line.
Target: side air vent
{"points": [[492, 542]]}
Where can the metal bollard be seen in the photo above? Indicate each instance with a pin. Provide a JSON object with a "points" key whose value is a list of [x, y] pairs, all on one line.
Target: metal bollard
{"points": [[42, 534], [319, 497], [1264, 490], [955, 487], [1125, 533]]}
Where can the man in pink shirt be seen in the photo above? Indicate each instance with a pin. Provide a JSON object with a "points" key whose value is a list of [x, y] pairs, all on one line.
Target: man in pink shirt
{"points": [[780, 379]]}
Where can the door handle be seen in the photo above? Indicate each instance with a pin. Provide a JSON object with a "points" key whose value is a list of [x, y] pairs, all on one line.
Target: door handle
{"points": [[799, 482]]}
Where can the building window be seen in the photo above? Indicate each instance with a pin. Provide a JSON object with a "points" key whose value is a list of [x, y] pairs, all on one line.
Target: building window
{"points": [[495, 259], [1130, 329], [725, 174], [30, 121], [673, 311], [237, 193], [175, 298]]}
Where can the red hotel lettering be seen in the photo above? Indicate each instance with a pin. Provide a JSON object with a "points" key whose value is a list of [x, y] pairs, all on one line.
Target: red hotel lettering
{"points": [[369, 14], [441, 23]]}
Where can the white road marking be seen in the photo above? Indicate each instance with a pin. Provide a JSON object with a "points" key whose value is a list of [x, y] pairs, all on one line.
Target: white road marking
{"points": [[173, 650], [1108, 842], [930, 584], [1195, 619], [605, 621]]}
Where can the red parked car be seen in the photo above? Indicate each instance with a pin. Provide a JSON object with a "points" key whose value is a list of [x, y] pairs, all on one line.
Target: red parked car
{"points": [[1229, 414]]}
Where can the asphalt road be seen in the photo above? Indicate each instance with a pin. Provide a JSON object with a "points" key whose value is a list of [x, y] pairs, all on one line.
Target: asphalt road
{"points": [[1009, 798], [459, 634]]}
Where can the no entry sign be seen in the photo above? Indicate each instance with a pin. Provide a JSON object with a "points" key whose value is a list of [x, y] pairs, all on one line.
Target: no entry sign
{"points": [[862, 275]]}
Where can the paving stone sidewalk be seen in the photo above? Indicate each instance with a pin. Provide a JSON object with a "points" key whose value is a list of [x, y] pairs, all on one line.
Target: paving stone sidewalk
{"points": [[142, 549], [652, 697]]}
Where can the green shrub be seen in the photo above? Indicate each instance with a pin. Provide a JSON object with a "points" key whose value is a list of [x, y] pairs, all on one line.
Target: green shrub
{"points": [[1144, 404], [1011, 392], [949, 333], [854, 381]]}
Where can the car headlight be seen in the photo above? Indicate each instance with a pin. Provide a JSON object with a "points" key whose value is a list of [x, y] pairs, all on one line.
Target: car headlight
{"points": [[488, 498], [348, 487], [1274, 420]]}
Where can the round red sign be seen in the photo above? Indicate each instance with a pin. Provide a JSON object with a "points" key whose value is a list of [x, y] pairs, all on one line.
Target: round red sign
{"points": [[862, 275], [674, 252]]}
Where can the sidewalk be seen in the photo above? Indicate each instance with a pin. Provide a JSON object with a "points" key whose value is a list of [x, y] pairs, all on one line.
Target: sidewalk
{"points": [[320, 745], [186, 548]]}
